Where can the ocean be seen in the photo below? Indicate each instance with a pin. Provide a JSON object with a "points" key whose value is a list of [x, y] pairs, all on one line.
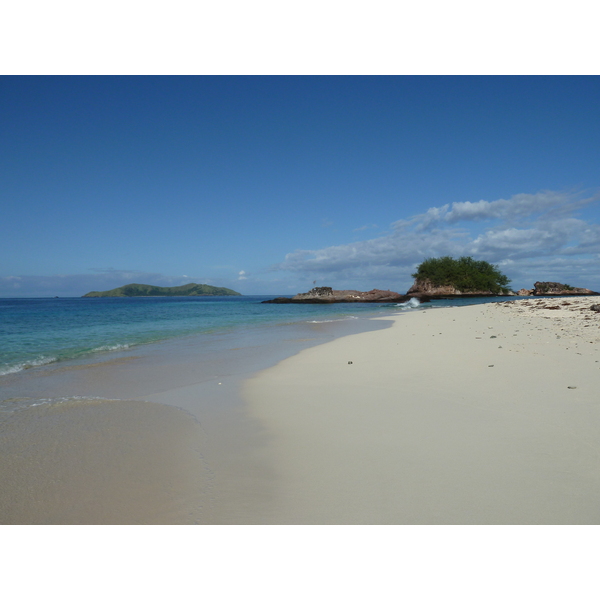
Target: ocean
{"points": [[42, 331]]}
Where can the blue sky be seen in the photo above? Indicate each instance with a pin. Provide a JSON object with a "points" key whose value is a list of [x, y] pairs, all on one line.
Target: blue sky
{"points": [[266, 184]]}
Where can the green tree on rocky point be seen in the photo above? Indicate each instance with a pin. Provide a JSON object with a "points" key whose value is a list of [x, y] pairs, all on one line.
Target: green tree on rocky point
{"points": [[465, 273]]}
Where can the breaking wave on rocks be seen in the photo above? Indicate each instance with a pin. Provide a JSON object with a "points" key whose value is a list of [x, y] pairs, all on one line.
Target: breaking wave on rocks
{"points": [[410, 304]]}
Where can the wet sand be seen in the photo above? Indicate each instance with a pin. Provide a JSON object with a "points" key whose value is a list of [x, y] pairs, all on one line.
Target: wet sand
{"points": [[157, 434], [475, 415], [101, 462]]}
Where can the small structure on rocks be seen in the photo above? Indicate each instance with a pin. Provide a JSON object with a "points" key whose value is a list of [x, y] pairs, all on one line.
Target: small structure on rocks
{"points": [[327, 295]]}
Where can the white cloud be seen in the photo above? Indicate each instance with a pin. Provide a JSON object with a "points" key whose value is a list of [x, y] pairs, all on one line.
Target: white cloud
{"points": [[365, 227], [242, 275], [526, 226], [519, 206]]}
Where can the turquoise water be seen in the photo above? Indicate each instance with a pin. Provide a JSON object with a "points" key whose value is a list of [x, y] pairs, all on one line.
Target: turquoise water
{"points": [[41, 331]]}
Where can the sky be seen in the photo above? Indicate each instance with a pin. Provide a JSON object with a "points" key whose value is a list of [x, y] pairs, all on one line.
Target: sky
{"points": [[268, 184]]}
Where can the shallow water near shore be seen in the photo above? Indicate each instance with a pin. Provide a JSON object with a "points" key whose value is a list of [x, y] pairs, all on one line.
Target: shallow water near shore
{"points": [[41, 331], [159, 430], [87, 461]]}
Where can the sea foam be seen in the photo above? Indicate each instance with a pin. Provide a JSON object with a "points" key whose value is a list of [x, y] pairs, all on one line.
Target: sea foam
{"points": [[38, 362], [410, 304], [333, 320]]}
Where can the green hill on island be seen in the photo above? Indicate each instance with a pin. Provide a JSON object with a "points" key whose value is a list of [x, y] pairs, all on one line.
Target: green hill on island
{"points": [[142, 289]]}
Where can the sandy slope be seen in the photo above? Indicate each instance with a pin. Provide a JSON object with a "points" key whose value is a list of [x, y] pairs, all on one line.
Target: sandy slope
{"points": [[481, 414]]}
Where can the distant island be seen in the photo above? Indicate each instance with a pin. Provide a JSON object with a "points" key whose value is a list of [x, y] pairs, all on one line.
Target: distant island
{"points": [[142, 289]]}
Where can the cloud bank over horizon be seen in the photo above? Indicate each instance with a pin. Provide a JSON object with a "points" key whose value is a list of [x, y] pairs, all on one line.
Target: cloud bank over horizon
{"points": [[546, 236], [530, 236]]}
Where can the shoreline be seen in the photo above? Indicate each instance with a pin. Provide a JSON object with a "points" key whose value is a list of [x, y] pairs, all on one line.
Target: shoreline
{"points": [[483, 414], [90, 334], [166, 416], [278, 428]]}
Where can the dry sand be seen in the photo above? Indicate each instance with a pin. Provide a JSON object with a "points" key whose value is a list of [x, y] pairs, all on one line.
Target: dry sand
{"points": [[484, 414]]}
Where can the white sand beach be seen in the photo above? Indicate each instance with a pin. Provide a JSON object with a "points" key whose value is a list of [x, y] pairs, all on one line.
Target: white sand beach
{"points": [[483, 414]]}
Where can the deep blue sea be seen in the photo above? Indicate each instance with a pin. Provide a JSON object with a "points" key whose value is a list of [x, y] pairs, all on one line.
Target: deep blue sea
{"points": [[41, 331]]}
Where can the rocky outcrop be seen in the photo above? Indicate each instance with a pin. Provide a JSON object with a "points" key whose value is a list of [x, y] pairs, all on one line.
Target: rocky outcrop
{"points": [[327, 295], [524, 292], [552, 288], [423, 288]]}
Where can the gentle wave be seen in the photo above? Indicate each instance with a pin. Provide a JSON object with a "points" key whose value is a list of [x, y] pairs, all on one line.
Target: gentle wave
{"points": [[62, 399], [13, 405], [333, 320], [44, 360], [111, 348]]}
